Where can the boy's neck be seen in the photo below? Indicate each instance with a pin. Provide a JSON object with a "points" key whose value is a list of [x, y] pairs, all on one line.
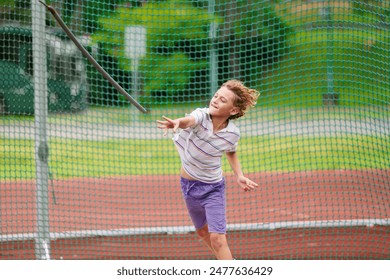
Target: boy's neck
{"points": [[219, 123]]}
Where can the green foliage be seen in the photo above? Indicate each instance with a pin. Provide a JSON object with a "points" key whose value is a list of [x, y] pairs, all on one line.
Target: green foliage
{"points": [[15, 10], [356, 52], [271, 31], [95, 9], [180, 69], [176, 66], [259, 39], [259, 19], [177, 45], [361, 72], [9, 3], [372, 8]]}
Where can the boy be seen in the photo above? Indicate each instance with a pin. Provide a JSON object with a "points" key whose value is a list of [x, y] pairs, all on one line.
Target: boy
{"points": [[205, 135]]}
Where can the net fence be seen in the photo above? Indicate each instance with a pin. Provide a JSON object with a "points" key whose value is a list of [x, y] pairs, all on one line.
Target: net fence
{"points": [[85, 175]]}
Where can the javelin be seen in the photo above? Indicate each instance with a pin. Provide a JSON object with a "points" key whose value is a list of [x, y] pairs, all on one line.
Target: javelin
{"points": [[92, 60]]}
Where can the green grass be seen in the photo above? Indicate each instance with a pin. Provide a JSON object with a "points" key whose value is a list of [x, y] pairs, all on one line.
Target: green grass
{"points": [[358, 60], [74, 158], [293, 153], [124, 115], [356, 53]]}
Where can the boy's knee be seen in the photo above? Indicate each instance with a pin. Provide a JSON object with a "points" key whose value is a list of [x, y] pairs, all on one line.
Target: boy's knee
{"points": [[203, 232], [218, 240]]}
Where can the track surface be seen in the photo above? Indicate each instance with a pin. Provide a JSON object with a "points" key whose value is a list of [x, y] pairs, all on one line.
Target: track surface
{"points": [[88, 204]]}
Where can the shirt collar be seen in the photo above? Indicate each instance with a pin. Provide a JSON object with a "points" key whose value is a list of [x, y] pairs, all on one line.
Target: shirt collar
{"points": [[229, 127]]}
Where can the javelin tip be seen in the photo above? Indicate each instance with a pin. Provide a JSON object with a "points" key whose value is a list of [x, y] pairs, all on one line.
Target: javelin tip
{"points": [[43, 3]]}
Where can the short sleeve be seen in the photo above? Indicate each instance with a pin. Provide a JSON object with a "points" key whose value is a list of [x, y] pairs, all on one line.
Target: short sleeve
{"points": [[233, 148], [233, 134], [198, 114]]}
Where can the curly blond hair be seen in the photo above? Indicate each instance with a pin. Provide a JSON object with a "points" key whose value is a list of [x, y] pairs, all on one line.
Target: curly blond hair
{"points": [[245, 97]]}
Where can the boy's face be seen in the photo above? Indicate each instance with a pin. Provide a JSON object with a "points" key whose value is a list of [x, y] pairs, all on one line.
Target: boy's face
{"points": [[222, 103]]}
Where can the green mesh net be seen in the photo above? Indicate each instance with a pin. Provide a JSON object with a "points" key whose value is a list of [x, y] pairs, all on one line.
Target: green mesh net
{"points": [[85, 175]]}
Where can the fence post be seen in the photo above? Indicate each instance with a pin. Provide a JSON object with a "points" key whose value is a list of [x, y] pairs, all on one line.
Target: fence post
{"points": [[213, 53], [42, 236], [331, 97]]}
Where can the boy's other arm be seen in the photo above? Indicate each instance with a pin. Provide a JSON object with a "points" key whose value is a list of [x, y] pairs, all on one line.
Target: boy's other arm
{"points": [[245, 183]]}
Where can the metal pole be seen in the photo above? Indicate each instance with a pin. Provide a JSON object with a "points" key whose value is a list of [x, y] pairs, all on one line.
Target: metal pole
{"points": [[213, 51], [330, 98], [42, 237], [135, 88], [135, 49]]}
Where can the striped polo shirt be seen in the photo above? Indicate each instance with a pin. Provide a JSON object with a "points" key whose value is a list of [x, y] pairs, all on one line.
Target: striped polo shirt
{"points": [[201, 149]]}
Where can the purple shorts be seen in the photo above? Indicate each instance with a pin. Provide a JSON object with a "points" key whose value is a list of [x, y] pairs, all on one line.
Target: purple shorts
{"points": [[206, 204]]}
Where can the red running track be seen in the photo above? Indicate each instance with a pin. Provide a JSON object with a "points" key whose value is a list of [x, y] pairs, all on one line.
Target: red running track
{"points": [[87, 204]]}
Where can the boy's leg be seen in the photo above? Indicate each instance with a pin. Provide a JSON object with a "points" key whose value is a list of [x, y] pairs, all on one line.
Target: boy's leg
{"points": [[220, 246], [208, 211], [204, 235], [215, 207], [216, 242]]}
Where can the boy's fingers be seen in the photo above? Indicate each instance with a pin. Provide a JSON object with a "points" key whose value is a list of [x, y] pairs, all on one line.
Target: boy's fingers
{"points": [[251, 183], [163, 125], [176, 127], [167, 119]]}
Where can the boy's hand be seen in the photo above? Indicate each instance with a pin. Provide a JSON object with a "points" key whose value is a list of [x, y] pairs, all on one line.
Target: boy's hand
{"points": [[168, 124], [246, 184]]}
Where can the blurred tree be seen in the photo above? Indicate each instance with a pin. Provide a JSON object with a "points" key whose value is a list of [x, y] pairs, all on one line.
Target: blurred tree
{"points": [[251, 37], [374, 8], [177, 47]]}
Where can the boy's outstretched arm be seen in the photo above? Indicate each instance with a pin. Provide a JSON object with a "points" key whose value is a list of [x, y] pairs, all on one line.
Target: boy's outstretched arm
{"points": [[182, 123], [245, 183]]}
